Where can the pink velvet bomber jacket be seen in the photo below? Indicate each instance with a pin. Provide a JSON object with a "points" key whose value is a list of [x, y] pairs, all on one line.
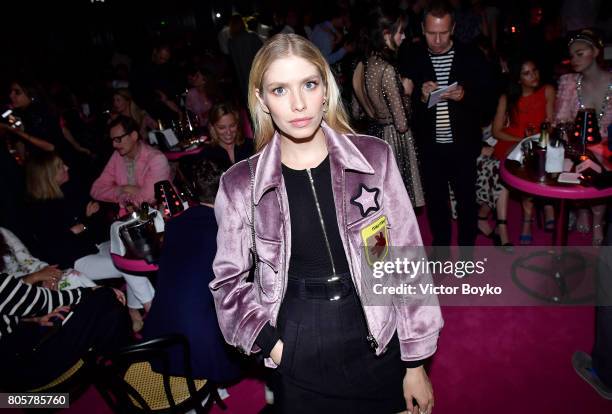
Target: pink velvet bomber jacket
{"points": [[360, 166]]}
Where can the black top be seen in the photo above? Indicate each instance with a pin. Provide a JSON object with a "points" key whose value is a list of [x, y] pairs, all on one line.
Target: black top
{"points": [[40, 123], [50, 222], [219, 154], [309, 254], [12, 185]]}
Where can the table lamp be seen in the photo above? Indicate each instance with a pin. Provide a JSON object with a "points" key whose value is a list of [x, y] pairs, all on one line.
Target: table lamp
{"points": [[587, 127], [168, 199]]}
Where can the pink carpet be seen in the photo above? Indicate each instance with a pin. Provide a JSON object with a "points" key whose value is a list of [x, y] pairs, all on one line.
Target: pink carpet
{"points": [[489, 360]]}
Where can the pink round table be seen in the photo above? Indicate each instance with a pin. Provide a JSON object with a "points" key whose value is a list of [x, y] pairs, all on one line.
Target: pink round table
{"points": [[177, 155], [518, 177]]}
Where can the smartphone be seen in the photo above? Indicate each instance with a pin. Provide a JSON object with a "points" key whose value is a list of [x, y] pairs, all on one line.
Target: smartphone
{"points": [[11, 119], [57, 321]]}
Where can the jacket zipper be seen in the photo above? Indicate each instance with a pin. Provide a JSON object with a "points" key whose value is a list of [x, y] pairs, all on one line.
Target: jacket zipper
{"points": [[370, 338], [327, 245], [284, 267]]}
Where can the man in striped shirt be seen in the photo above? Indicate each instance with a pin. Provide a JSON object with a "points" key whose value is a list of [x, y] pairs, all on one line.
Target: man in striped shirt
{"points": [[448, 134]]}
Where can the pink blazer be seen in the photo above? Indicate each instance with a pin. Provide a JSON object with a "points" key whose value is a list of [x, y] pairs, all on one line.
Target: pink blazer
{"points": [[151, 167]]}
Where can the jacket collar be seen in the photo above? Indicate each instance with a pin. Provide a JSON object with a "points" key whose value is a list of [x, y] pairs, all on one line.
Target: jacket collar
{"points": [[342, 152]]}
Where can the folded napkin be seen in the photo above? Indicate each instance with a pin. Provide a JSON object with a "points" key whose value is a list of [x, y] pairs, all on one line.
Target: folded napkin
{"points": [[166, 135]]}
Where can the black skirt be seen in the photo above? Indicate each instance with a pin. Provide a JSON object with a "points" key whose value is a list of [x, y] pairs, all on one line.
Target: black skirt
{"points": [[327, 363]]}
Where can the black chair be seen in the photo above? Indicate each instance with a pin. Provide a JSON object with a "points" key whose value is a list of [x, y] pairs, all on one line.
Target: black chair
{"points": [[128, 383], [74, 381]]}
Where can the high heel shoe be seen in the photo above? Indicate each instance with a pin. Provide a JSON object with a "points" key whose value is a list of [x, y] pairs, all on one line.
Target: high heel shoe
{"points": [[497, 241], [526, 239], [487, 235]]}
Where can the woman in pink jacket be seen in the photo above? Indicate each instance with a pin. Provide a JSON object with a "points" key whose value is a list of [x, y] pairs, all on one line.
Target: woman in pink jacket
{"points": [[326, 202]]}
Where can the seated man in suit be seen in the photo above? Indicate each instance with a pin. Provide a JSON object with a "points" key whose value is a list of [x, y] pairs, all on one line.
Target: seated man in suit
{"points": [[132, 171]]}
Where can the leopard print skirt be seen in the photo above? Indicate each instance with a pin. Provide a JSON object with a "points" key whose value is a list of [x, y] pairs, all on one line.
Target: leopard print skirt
{"points": [[488, 184]]}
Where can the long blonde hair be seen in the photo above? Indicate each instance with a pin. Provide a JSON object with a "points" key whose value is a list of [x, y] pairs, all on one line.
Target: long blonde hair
{"points": [[40, 172], [136, 112], [281, 46]]}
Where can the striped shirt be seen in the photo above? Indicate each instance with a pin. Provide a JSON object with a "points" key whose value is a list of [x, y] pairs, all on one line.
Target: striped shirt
{"points": [[442, 64], [18, 299]]}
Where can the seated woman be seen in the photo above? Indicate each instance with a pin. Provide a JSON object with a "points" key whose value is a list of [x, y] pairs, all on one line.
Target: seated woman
{"points": [[123, 104], [183, 303], [520, 111], [200, 96], [589, 87], [228, 144], [61, 224], [19, 263], [44, 332], [39, 131]]}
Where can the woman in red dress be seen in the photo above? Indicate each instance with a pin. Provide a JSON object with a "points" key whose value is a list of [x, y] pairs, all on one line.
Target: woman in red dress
{"points": [[520, 111]]}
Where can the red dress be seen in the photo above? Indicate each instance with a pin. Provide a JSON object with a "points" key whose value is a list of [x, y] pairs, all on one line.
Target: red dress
{"points": [[530, 109]]}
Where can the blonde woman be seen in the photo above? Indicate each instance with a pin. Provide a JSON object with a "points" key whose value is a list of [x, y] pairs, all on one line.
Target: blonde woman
{"points": [[61, 222], [314, 186], [228, 144], [123, 104]]}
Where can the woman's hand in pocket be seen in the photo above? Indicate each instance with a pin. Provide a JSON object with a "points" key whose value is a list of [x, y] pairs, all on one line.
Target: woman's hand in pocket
{"points": [[418, 386], [277, 352]]}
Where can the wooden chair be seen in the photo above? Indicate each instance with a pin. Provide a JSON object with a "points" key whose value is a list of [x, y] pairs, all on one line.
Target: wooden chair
{"points": [[128, 383]]}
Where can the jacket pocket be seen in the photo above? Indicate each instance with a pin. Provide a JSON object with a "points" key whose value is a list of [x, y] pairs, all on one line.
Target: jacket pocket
{"points": [[269, 252], [289, 338]]}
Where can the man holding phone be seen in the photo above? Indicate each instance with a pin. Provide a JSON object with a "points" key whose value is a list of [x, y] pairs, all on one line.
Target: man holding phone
{"points": [[449, 137]]}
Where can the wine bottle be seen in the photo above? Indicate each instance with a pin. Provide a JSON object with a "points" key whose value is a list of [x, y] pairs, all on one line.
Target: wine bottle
{"points": [[544, 135]]}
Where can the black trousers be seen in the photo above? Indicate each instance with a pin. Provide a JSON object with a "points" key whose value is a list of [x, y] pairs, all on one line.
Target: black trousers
{"points": [[443, 164], [99, 322], [327, 364]]}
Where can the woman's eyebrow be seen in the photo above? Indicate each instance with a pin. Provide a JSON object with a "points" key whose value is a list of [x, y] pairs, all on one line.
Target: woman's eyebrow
{"points": [[307, 78]]}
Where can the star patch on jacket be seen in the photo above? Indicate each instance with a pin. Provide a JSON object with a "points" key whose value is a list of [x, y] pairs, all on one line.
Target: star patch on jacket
{"points": [[366, 199]]}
